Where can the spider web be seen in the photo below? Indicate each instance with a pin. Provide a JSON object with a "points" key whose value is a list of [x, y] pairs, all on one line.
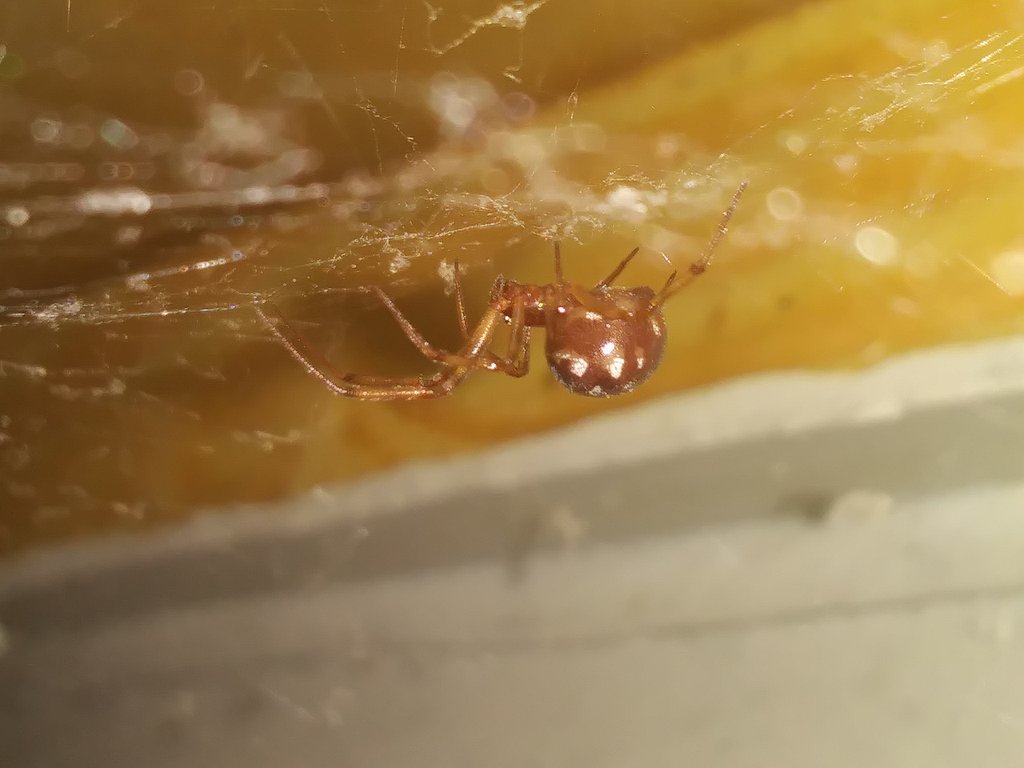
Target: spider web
{"points": [[150, 194]]}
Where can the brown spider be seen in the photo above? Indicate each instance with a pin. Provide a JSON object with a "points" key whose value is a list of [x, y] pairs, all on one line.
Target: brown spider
{"points": [[601, 341]]}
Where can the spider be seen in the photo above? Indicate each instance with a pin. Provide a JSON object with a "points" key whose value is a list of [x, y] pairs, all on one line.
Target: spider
{"points": [[601, 341]]}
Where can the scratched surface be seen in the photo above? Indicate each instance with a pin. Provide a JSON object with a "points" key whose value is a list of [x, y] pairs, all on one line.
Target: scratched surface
{"points": [[832, 578]]}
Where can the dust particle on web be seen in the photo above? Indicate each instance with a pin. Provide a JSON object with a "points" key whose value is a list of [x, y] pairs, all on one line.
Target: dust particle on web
{"points": [[446, 271], [17, 216], [399, 263]]}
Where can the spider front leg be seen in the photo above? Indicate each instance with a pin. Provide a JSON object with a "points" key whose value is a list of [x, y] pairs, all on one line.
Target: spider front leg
{"points": [[384, 388], [516, 361], [482, 359], [675, 284], [342, 383]]}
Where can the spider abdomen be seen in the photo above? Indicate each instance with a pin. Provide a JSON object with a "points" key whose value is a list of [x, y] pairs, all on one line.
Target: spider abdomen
{"points": [[599, 356]]}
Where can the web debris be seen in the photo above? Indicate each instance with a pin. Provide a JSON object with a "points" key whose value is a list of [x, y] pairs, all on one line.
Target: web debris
{"points": [[507, 16]]}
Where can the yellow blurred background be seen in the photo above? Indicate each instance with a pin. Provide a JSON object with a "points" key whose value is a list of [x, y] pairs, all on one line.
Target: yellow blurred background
{"points": [[299, 154]]}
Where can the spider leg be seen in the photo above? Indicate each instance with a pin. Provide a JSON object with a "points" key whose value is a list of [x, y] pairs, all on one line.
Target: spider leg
{"points": [[618, 270], [559, 278], [383, 388], [316, 365], [460, 303], [697, 268], [517, 359], [425, 347]]}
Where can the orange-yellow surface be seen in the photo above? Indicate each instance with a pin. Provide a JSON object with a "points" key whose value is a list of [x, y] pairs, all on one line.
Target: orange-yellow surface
{"points": [[883, 145]]}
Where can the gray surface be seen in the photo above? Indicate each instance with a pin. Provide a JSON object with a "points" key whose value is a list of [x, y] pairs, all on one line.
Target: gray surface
{"points": [[792, 570]]}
